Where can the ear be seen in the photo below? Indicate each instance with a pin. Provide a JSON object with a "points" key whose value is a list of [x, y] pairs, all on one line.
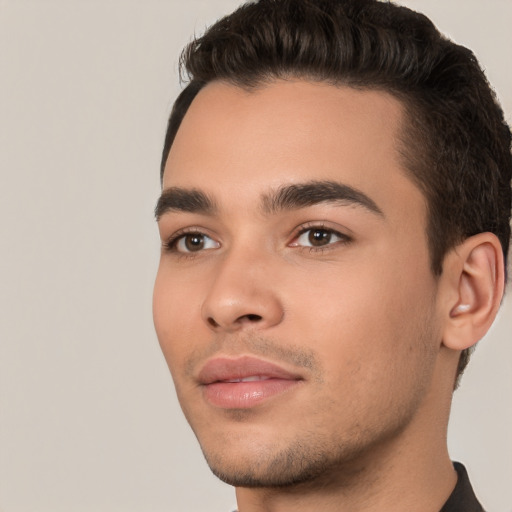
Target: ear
{"points": [[475, 280]]}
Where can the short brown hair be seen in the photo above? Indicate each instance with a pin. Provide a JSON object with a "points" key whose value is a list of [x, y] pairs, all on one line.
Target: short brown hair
{"points": [[456, 146]]}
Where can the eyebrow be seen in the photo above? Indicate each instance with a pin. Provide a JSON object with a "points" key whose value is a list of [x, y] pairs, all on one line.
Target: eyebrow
{"points": [[302, 195], [184, 200], [287, 197]]}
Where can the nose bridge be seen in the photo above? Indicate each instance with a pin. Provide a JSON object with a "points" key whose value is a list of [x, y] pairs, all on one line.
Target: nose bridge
{"points": [[242, 293]]}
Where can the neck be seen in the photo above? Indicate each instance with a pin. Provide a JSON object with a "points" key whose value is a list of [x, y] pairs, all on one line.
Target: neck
{"points": [[389, 486]]}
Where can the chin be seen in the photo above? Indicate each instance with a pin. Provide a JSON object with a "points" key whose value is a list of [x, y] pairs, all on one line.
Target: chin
{"points": [[285, 470], [310, 458], [304, 462]]}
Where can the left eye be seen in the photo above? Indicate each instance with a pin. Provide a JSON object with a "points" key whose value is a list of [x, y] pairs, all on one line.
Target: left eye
{"points": [[195, 242], [318, 237]]}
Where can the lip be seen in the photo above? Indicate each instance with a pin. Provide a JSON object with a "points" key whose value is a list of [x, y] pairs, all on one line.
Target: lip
{"points": [[243, 382]]}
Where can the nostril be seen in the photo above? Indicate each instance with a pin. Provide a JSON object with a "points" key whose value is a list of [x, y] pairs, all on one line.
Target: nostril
{"points": [[252, 318], [248, 319], [212, 322]]}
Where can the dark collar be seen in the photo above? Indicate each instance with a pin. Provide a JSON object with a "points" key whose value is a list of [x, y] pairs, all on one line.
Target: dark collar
{"points": [[462, 499]]}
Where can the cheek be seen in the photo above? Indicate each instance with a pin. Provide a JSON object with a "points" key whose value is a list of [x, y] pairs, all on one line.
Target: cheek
{"points": [[175, 314], [367, 320]]}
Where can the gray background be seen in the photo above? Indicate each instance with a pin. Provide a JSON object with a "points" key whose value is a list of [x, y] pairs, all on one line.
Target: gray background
{"points": [[88, 417]]}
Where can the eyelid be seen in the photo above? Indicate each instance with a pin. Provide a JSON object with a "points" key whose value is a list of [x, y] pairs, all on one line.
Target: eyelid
{"points": [[169, 243], [342, 234]]}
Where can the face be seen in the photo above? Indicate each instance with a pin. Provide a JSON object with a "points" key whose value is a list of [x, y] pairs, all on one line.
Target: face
{"points": [[294, 301]]}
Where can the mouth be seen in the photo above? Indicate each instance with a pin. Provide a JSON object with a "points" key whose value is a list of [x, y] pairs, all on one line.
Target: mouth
{"points": [[244, 382], [254, 378]]}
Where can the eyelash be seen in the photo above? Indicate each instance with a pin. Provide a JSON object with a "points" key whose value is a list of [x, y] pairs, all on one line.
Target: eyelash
{"points": [[344, 239], [170, 245]]}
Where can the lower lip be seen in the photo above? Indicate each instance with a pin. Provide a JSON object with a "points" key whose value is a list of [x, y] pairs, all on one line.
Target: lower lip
{"points": [[244, 395]]}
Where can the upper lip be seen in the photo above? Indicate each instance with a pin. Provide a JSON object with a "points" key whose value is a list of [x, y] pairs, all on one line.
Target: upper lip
{"points": [[222, 369]]}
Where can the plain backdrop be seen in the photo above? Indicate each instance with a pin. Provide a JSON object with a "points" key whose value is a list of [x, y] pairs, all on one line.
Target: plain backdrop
{"points": [[88, 416]]}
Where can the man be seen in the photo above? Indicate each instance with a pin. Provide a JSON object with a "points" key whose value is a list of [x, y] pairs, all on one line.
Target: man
{"points": [[335, 224]]}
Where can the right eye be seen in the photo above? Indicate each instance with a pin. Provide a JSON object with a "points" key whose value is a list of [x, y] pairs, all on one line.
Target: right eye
{"points": [[193, 242]]}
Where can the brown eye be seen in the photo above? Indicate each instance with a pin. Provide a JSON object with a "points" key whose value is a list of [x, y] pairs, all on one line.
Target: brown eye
{"points": [[319, 237], [195, 242]]}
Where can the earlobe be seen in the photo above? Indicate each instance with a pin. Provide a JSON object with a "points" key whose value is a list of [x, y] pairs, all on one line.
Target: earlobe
{"points": [[477, 269], [461, 308]]}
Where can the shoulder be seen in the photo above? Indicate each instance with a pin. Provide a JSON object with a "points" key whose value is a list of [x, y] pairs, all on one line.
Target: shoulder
{"points": [[463, 498]]}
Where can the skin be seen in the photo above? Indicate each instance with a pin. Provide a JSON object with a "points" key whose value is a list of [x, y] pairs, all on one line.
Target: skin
{"points": [[360, 319]]}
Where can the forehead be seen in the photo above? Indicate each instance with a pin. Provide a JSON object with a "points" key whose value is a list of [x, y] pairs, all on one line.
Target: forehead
{"points": [[237, 143]]}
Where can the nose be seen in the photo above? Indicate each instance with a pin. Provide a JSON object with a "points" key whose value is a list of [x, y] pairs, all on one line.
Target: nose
{"points": [[243, 295]]}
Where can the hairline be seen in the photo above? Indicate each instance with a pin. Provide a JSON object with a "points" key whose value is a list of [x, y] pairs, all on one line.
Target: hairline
{"points": [[409, 154]]}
